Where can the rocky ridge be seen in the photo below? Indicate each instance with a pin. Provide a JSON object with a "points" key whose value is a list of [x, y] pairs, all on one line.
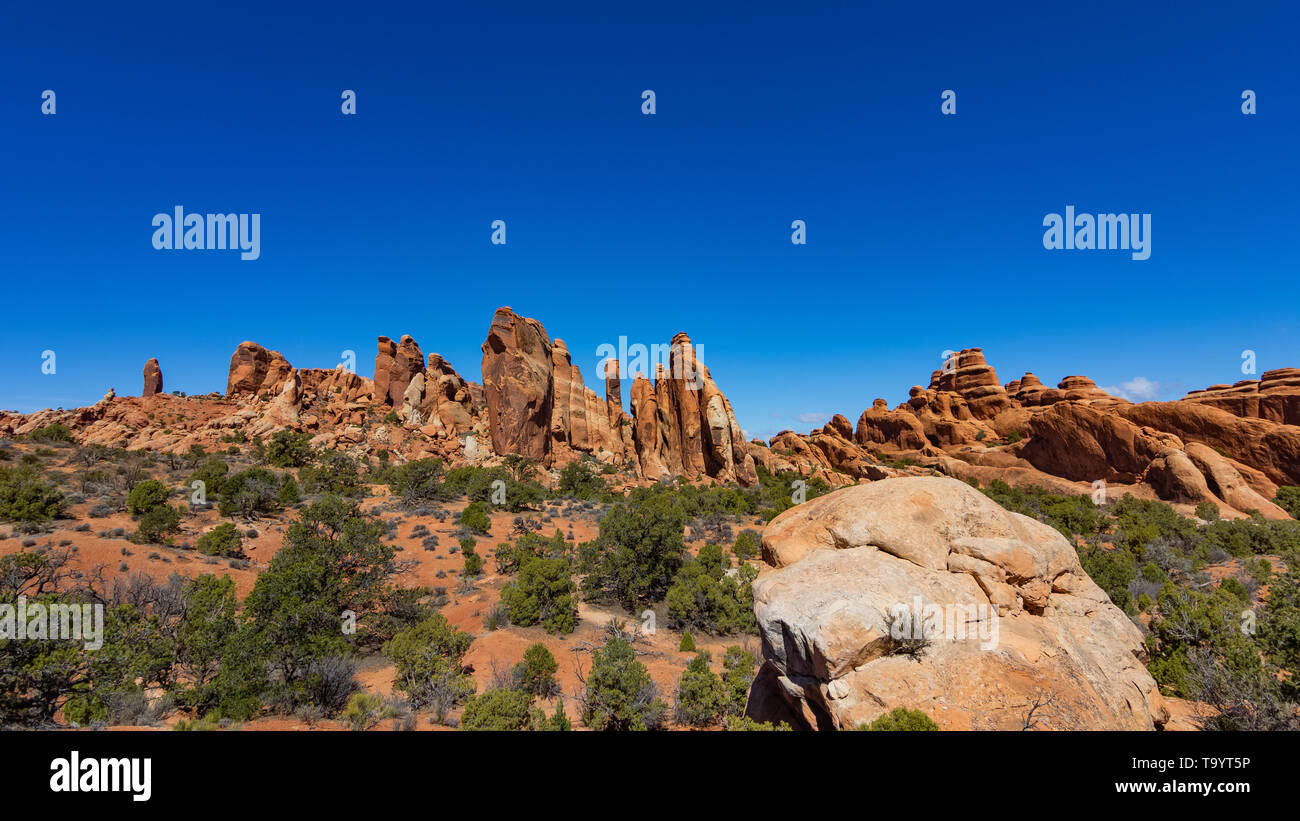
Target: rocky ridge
{"points": [[1230, 445]]}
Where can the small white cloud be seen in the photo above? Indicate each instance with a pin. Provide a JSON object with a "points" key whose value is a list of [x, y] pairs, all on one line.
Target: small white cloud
{"points": [[1137, 389], [813, 417]]}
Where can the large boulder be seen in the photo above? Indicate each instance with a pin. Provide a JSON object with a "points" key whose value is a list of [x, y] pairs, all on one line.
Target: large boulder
{"points": [[1006, 619]]}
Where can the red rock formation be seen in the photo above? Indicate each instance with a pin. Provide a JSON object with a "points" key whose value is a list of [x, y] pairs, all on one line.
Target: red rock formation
{"points": [[395, 366], [880, 427], [686, 425], [1266, 446], [646, 429], [153, 381], [449, 403], [971, 377], [580, 418], [613, 391], [255, 371], [1085, 444], [1274, 397], [518, 385], [1080, 388]]}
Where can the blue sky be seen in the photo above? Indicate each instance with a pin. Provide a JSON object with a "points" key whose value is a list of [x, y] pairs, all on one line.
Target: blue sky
{"points": [[924, 231]]}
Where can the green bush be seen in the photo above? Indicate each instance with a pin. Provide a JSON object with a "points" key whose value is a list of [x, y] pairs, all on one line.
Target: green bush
{"points": [[1288, 498], [212, 474], [638, 552], [146, 496], [498, 710], [363, 711], [223, 540], [536, 673], [543, 594], [250, 493], [620, 694], [335, 473], [474, 518], [288, 449], [701, 697], [25, 496], [704, 596], [902, 719], [747, 545], [56, 432], [419, 483], [579, 480], [1071, 515], [429, 659], [157, 524], [739, 666]]}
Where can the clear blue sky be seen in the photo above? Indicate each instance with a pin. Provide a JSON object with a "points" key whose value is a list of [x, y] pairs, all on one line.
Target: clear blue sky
{"points": [[924, 231]]}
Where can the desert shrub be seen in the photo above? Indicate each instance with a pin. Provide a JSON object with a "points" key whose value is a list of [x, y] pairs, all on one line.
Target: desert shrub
{"points": [[429, 660], [499, 709], [473, 567], [902, 719], [701, 697], [544, 594], [1113, 570], [287, 449], [146, 496], [555, 722], [333, 560], [579, 480], [704, 596], [335, 473], [25, 496], [536, 673], [638, 552], [1191, 620], [203, 636], [212, 474], [511, 556], [363, 711], [474, 518], [56, 432], [157, 524], [738, 665], [1071, 515], [747, 545], [619, 692], [419, 482], [687, 644], [222, 540], [1288, 498], [477, 484], [1207, 511], [250, 493], [289, 494]]}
